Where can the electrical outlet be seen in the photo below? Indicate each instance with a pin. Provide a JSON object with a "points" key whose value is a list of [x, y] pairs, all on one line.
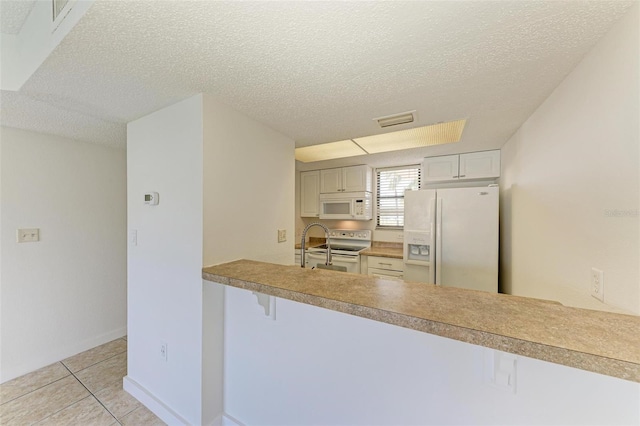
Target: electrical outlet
{"points": [[30, 235], [282, 235], [597, 284], [164, 348]]}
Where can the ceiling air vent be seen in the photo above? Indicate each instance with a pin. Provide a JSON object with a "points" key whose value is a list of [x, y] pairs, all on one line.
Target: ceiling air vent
{"points": [[396, 119]]}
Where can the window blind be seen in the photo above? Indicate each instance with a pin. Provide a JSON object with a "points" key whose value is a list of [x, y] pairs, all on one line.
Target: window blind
{"points": [[391, 184]]}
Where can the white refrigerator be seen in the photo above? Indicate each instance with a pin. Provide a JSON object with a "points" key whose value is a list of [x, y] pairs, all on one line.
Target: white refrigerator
{"points": [[451, 237]]}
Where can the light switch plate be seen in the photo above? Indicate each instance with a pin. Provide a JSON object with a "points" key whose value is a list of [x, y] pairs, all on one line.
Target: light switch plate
{"points": [[28, 235]]}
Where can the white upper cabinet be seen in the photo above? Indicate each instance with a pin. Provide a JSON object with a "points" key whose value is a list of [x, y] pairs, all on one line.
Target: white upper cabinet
{"points": [[346, 179], [330, 180], [440, 168], [310, 194], [472, 165], [357, 178], [479, 165]]}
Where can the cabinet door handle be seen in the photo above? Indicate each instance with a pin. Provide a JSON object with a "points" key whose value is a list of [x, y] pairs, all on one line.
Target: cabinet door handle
{"points": [[462, 175], [456, 176]]}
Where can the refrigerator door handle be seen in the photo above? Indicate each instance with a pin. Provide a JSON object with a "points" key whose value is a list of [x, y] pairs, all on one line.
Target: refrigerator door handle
{"points": [[432, 235], [438, 271]]}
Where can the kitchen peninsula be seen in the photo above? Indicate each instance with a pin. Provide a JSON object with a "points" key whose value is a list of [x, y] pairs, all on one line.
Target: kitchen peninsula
{"points": [[595, 341]]}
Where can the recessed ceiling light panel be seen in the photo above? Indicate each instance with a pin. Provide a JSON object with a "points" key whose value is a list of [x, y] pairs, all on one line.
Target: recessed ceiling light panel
{"points": [[328, 151], [435, 134]]}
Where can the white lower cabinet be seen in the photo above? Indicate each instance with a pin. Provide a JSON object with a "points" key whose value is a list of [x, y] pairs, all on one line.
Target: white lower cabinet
{"points": [[385, 273], [385, 267]]}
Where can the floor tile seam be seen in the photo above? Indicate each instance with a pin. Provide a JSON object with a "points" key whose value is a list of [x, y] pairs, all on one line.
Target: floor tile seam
{"points": [[60, 378], [104, 388], [63, 408], [120, 338], [37, 389], [114, 416], [103, 406], [93, 394], [95, 363]]}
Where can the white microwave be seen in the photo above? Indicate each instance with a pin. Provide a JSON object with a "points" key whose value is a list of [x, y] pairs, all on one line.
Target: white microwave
{"points": [[346, 205]]}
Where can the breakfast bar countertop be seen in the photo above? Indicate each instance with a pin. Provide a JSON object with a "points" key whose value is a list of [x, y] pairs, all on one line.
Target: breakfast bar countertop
{"points": [[595, 341]]}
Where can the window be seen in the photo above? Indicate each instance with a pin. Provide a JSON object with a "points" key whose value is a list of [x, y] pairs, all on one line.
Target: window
{"points": [[391, 184]]}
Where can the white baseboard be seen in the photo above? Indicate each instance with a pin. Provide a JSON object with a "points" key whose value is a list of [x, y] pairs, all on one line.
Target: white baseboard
{"points": [[225, 420], [30, 364], [230, 421], [150, 401]]}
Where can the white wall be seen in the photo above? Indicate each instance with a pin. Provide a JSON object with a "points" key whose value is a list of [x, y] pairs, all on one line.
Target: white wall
{"points": [[575, 160], [317, 366], [66, 293], [164, 154], [249, 180], [226, 185]]}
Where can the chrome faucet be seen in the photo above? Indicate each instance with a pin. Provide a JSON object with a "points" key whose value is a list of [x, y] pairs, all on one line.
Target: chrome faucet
{"points": [[304, 236]]}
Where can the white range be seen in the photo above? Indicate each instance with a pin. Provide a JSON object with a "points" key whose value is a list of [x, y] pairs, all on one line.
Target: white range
{"points": [[346, 245]]}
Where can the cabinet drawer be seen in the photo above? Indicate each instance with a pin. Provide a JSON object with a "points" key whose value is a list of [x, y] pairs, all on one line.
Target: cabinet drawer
{"points": [[385, 273], [385, 263]]}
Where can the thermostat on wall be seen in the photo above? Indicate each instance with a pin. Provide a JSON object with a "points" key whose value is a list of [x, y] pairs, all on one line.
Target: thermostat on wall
{"points": [[151, 198]]}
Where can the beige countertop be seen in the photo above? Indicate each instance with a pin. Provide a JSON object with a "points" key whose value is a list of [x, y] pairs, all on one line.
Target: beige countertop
{"points": [[600, 342], [388, 250], [313, 242]]}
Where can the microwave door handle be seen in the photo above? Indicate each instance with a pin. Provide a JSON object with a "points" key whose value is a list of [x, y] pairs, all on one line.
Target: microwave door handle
{"points": [[353, 207]]}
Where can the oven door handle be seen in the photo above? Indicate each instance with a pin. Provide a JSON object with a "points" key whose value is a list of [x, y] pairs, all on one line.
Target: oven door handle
{"points": [[334, 257], [317, 255], [344, 258]]}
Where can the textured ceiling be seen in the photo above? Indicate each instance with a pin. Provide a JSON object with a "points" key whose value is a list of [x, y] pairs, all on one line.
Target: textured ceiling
{"points": [[315, 71], [13, 13]]}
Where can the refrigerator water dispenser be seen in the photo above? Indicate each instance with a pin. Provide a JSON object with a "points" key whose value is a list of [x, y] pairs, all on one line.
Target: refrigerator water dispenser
{"points": [[417, 247], [419, 252]]}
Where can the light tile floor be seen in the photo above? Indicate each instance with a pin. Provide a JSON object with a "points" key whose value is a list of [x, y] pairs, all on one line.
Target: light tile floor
{"points": [[83, 390]]}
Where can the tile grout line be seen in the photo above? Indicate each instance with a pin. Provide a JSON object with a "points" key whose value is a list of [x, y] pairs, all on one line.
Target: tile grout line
{"points": [[56, 412], [91, 365], [72, 374], [43, 386], [91, 393]]}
